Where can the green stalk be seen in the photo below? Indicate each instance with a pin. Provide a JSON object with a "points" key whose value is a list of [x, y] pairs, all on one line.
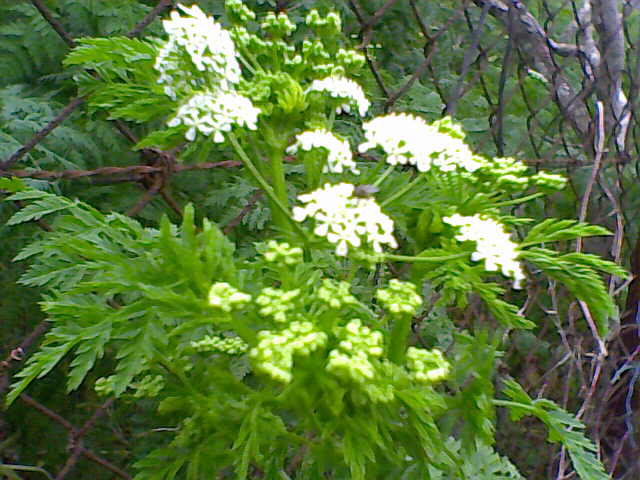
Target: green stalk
{"points": [[517, 201], [275, 201], [413, 259], [382, 177], [398, 341], [280, 218], [401, 191]]}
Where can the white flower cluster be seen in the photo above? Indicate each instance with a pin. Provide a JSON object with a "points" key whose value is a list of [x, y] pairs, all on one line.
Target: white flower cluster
{"points": [[276, 303], [410, 140], [197, 42], [336, 294], [352, 358], [339, 152], [400, 297], [274, 353], [207, 46], [227, 298], [493, 244], [214, 113], [228, 345], [344, 219], [426, 366], [282, 252], [341, 87]]}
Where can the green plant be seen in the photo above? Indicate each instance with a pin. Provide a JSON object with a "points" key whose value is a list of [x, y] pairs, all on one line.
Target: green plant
{"points": [[295, 356]]}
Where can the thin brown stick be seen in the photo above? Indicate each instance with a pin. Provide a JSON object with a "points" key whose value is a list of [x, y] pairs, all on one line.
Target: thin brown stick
{"points": [[38, 137], [150, 17]]}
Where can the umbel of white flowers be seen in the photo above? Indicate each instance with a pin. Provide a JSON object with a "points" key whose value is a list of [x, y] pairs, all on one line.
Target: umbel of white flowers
{"points": [[198, 65], [407, 139], [493, 244], [340, 87], [345, 219], [339, 157]]}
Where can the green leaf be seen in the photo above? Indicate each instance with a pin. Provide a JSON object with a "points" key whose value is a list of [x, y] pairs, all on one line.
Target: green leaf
{"points": [[563, 428], [554, 230], [579, 272]]}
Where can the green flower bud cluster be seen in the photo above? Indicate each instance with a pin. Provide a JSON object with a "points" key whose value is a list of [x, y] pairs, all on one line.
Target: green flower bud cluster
{"points": [[148, 387], [314, 52], [426, 366], [227, 298], [400, 297], [243, 38], [336, 294], [276, 303], [274, 353], [330, 22], [350, 58], [352, 359], [278, 25], [506, 172], [104, 385], [238, 11], [228, 345], [282, 252], [549, 181]]}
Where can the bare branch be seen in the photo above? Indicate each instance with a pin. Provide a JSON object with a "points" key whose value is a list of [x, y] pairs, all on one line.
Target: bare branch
{"points": [[536, 49], [607, 20]]}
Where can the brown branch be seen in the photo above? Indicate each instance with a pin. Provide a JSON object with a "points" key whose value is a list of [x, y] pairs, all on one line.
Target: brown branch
{"points": [[115, 171], [536, 48], [150, 17], [147, 197], [55, 24], [243, 213], [38, 137]]}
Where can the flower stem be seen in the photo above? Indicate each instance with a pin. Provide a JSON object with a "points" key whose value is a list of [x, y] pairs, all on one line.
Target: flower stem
{"points": [[382, 177], [401, 191], [414, 259], [517, 201], [281, 218], [276, 203], [398, 341]]}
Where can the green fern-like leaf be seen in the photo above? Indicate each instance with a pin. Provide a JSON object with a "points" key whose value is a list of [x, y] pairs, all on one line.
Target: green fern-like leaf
{"points": [[579, 272], [563, 427], [554, 230]]}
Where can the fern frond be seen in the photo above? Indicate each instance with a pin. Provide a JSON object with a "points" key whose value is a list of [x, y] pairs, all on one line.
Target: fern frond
{"points": [[563, 427]]}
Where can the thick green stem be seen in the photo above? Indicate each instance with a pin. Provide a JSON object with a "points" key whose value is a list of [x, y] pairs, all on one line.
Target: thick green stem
{"points": [[275, 201], [398, 342], [280, 218]]}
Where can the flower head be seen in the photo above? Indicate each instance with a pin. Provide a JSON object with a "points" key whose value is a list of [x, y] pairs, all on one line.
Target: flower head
{"points": [[410, 140], [228, 345], [352, 358], [196, 41], [493, 244], [346, 220], [341, 87], [336, 293], [339, 152], [400, 297], [274, 353], [282, 252], [276, 303], [426, 366], [227, 298], [214, 113]]}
